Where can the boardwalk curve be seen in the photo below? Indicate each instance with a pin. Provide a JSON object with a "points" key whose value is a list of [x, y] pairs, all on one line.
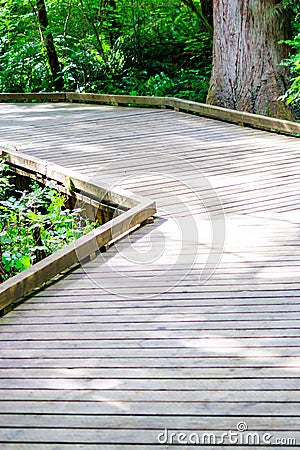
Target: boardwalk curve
{"points": [[190, 324]]}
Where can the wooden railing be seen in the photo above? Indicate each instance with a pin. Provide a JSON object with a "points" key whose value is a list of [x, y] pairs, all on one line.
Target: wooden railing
{"points": [[213, 112], [137, 210]]}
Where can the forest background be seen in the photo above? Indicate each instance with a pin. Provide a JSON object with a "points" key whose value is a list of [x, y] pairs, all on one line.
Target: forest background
{"points": [[136, 47]]}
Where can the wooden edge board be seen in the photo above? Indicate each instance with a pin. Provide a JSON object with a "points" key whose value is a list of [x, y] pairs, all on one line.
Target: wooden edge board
{"points": [[82, 249], [214, 112], [238, 117], [71, 180], [116, 99], [21, 97]]}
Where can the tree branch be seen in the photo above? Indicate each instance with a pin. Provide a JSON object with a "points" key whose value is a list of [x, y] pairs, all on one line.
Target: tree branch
{"points": [[197, 9]]}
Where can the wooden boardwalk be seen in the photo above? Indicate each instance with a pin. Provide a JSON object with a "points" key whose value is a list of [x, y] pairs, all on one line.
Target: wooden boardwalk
{"points": [[190, 324]]}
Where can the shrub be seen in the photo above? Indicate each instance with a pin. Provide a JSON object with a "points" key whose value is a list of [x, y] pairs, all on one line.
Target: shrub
{"points": [[34, 224]]}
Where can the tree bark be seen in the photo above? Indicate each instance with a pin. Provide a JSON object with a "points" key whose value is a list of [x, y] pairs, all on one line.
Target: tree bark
{"points": [[246, 73], [50, 47]]}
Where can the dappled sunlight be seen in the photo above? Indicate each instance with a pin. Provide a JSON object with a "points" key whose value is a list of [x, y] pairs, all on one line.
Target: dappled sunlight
{"points": [[263, 238], [181, 318], [37, 118], [249, 180], [219, 345], [284, 272], [96, 396], [61, 380], [91, 149], [83, 389], [216, 344], [251, 232]]}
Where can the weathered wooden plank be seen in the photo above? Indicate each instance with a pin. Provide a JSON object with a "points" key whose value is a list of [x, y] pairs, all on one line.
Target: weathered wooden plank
{"points": [[21, 97], [152, 385], [222, 289], [144, 319], [120, 316], [210, 351], [96, 436], [88, 294], [183, 327], [213, 284], [231, 340], [148, 422], [71, 314], [42, 302], [184, 330], [116, 332], [161, 373], [287, 363], [74, 309], [171, 408], [133, 395]]}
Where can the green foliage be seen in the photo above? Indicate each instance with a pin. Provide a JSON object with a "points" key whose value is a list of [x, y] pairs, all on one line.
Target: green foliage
{"points": [[112, 46], [34, 224], [148, 47], [5, 185], [292, 95], [188, 84], [22, 60]]}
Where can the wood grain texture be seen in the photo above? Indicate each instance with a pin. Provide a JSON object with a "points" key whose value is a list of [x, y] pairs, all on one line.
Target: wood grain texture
{"points": [[136, 341]]}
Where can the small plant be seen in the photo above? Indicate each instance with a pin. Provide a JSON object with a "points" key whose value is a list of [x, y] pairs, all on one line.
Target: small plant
{"points": [[34, 224], [292, 96]]}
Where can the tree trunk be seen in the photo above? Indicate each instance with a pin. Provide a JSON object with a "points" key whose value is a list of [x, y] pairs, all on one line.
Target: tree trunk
{"points": [[50, 47], [246, 74]]}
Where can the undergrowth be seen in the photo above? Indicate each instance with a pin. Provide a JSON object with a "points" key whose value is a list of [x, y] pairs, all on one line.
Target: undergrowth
{"points": [[34, 223]]}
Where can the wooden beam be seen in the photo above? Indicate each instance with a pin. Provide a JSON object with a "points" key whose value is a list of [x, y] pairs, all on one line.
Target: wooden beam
{"points": [[84, 248], [44, 96], [238, 117], [116, 99], [214, 112]]}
